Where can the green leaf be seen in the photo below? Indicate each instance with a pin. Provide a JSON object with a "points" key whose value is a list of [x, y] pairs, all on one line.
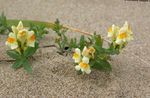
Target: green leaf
{"points": [[99, 50], [17, 64], [82, 42], [90, 40], [72, 43], [64, 41], [27, 66], [102, 65], [98, 41], [57, 27], [112, 50], [103, 56], [14, 54], [31, 50]]}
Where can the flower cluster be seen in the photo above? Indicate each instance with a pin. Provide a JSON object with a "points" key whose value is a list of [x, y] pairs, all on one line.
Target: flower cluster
{"points": [[121, 35], [23, 44], [20, 38], [82, 59]]}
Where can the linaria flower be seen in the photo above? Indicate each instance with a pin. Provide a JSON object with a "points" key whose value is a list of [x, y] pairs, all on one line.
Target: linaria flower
{"points": [[21, 38], [112, 31], [84, 66], [124, 35], [88, 52], [77, 55], [22, 35], [30, 39], [18, 28], [12, 41]]}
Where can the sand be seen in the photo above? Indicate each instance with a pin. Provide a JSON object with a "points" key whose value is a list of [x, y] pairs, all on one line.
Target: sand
{"points": [[54, 75]]}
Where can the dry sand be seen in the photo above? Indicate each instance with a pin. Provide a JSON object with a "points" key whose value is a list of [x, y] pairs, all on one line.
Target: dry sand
{"points": [[54, 75]]}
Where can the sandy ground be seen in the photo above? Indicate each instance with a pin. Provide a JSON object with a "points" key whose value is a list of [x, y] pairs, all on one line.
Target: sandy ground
{"points": [[54, 75]]}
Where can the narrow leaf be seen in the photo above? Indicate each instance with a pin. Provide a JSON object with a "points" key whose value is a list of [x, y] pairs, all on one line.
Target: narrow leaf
{"points": [[102, 65], [82, 42], [14, 54], [31, 50], [27, 66], [17, 64]]}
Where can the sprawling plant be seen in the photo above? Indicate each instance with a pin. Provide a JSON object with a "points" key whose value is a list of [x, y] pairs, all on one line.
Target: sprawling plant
{"points": [[88, 52]]}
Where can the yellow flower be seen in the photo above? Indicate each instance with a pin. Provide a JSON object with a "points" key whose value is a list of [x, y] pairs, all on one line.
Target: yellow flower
{"points": [[12, 41], [31, 39], [21, 32], [22, 35], [84, 66], [88, 52], [77, 55], [21, 38], [18, 28], [112, 31], [124, 35]]}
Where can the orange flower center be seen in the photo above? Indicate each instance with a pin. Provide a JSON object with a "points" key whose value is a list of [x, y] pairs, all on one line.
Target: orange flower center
{"points": [[32, 38], [11, 40], [84, 65], [122, 35]]}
